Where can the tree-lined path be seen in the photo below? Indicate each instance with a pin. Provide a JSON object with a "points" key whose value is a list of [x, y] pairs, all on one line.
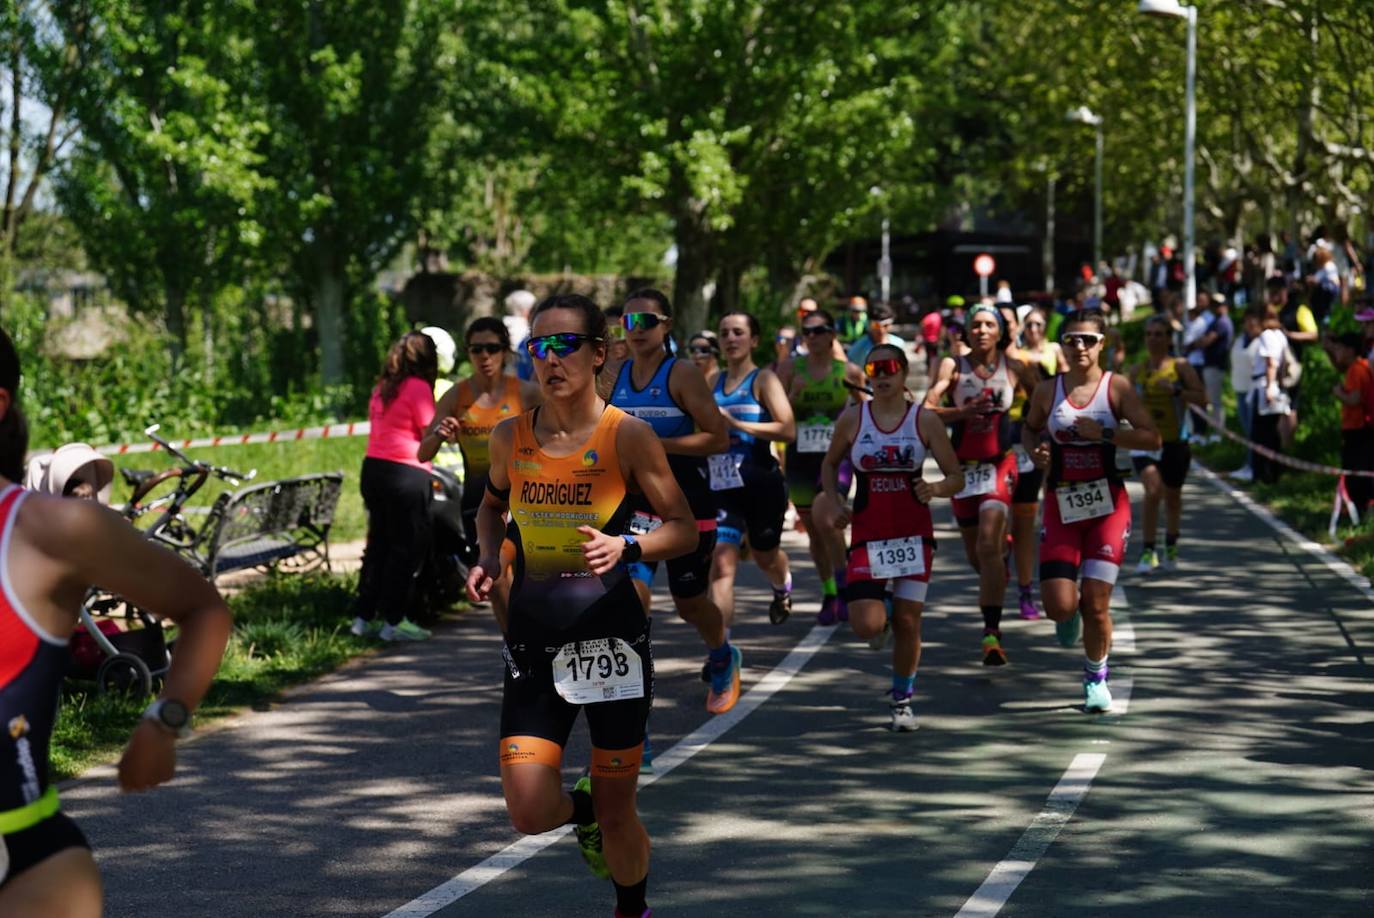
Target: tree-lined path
{"points": [[1236, 778]]}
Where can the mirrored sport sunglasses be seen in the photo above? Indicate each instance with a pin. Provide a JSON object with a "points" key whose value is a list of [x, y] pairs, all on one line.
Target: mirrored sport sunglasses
{"points": [[561, 345], [489, 348], [1083, 340], [812, 331], [701, 350], [640, 321], [886, 366]]}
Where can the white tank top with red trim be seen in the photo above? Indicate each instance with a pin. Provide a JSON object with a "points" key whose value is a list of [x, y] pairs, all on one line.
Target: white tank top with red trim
{"points": [[887, 465]]}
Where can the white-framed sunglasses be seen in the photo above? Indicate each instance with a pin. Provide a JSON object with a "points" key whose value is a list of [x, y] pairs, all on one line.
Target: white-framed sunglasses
{"points": [[1083, 340]]}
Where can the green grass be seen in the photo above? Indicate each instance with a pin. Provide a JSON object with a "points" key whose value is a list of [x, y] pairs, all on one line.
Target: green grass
{"points": [[273, 461], [288, 629], [1303, 500]]}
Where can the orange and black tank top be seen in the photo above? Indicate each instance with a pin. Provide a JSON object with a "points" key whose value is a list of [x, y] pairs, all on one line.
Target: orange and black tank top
{"points": [[476, 424], [549, 499]]}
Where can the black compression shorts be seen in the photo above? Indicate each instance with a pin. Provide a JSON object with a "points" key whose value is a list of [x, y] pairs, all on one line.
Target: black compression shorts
{"points": [[37, 843], [756, 510], [531, 706], [1028, 487], [1174, 461], [688, 575]]}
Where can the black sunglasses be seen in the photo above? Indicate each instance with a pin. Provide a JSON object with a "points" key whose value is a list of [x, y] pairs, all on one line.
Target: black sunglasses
{"points": [[812, 331], [475, 349]]}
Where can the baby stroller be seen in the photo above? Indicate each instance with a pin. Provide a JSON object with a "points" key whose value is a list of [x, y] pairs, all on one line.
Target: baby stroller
{"points": [[116, 659], [122, 660]]}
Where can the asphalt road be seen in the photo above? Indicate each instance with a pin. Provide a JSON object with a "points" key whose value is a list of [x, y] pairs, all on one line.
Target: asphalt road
{"points": [[1238, 780]]}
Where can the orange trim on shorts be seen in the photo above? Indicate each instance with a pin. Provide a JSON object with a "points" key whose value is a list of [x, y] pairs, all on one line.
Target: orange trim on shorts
{"points": [[617, 763], [530, 750]]}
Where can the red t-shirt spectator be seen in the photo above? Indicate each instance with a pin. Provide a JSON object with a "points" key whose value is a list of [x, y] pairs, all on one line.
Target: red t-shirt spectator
{"points": [[930, 327], [1359, 378], [398, 427]]}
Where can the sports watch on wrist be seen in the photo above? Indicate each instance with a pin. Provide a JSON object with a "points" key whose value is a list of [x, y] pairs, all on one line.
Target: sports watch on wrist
{"points": [[633, 550], [171, 715], [1108, 434]]}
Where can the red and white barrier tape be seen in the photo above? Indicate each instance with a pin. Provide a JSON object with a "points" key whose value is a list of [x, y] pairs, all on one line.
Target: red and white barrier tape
{"points": [[1278, 457], [349, 429]]}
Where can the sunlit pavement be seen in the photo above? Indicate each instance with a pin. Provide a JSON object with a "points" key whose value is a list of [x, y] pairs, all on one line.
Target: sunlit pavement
{"points": [[1239, 780]]}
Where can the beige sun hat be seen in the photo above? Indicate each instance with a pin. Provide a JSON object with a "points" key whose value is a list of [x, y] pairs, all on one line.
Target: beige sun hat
{"points": [[52, 473]]}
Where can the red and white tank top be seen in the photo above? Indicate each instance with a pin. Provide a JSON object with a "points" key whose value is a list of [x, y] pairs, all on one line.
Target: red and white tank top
{"points": [[887, 465], [987, 436], [1073, 458], [32, 663]]}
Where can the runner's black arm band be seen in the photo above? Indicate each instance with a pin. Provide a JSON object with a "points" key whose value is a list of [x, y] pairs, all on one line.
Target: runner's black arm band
{"points": [[503, 496]]}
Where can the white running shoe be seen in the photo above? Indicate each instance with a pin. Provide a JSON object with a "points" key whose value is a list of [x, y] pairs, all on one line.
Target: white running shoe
{"points": [[903, 718], [1244, 473], [361, 627]]}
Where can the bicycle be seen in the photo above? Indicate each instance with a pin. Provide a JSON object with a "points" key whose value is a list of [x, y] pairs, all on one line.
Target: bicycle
{"points": [[133, 658]]}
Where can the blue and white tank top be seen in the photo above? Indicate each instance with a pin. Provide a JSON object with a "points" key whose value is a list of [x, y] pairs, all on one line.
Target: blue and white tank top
{"points": [[655, 405], [743, 405]]}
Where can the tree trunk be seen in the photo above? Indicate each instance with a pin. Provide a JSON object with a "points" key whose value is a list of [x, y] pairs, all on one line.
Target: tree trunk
{"points": [[174, 312], [693, 270], [725, 298], [327, 296]]}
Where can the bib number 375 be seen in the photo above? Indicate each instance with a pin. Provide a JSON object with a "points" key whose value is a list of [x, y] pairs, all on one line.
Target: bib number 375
{"points": [[1084, 501], [590, 672]]}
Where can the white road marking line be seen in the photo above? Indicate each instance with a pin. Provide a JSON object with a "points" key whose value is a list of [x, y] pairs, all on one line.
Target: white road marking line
{"points": [[1123, 632], [517, 853], [1345, 571], [1036, 840]]}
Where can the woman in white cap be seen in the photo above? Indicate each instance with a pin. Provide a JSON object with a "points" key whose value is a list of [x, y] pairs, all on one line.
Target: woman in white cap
{"points": [[73, 470]]}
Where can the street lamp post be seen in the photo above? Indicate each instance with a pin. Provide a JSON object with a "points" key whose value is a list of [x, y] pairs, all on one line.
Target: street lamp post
{"points": [[1085, 115], [1174, 10]]}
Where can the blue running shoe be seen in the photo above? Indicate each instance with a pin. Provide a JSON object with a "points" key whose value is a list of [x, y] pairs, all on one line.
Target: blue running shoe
{"points": [[646, 761], [1068, 632]]}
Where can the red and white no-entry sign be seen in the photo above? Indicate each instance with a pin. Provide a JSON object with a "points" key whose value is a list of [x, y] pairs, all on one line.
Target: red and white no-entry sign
{"points": [[983, 265]]}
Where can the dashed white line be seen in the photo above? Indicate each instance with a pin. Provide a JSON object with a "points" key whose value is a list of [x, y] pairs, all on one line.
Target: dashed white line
{"points": [[517, 853], [1036, 840]]}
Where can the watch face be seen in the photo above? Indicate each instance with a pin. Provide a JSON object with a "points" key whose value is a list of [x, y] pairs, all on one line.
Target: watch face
{"points": [[173, 714]]}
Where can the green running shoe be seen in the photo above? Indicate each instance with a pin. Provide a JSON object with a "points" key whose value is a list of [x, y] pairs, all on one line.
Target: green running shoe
{"points": [[589, 838], [1149, 560], [404, 630], [1068, 632], [1170, 561]]}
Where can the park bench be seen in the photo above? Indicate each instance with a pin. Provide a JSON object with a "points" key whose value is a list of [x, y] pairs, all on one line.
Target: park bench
{"points": [[260, 527]]}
